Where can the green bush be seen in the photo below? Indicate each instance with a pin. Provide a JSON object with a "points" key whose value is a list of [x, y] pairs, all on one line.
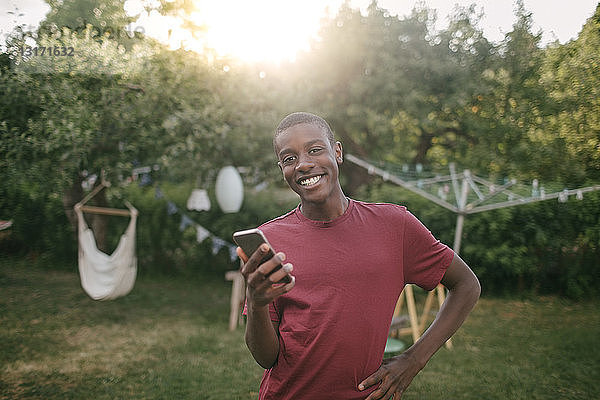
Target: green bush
{"points": [[40, 226]]}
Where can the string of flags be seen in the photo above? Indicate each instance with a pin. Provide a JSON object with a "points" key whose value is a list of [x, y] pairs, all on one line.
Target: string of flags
{"points": [[198, 201], [201, 232]]}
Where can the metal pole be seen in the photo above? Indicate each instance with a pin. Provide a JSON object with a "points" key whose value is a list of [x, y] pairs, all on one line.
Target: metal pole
{"points": [[458, 232], [460, 219], [461, 215]]}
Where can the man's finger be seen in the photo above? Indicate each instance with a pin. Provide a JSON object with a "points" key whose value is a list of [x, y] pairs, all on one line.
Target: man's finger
{"points": [[277, 291], [268, 266], [384, 391], [395, 391], [254, 261], [241, 254], [257, 280], [378, 395], [373, 379], [290, 285], [281, 273]]}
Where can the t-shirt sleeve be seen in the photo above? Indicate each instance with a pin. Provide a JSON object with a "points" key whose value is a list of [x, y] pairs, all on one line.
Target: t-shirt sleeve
{"points": [[425, 259]]}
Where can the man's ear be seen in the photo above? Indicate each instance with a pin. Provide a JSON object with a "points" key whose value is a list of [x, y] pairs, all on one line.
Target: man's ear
{"points": [[339, 153], [280, 167]]}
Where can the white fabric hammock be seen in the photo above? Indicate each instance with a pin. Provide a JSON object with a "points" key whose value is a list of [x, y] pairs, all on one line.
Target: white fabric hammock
{"points": [[105, 277]]}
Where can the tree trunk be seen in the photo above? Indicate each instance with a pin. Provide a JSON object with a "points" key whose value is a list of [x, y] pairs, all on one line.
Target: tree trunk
{"points": [[423, 147], [99, 223], [70, 197], [355, 177]]}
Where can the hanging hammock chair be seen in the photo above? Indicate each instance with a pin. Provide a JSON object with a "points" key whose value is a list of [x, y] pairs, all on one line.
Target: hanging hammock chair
{"points": [[103, 276]]}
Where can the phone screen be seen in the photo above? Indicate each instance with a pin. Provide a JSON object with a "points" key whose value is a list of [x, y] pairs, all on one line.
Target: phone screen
{"points": [[250, 240]]}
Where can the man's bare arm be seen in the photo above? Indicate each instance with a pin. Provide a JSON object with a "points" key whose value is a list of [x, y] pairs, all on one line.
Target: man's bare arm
{"points": [[261, 337], [261, 333], [396, 373], [463, 293]]}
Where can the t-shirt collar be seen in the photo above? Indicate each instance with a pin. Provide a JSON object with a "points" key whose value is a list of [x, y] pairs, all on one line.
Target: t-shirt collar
{"points": [[324, 224]]}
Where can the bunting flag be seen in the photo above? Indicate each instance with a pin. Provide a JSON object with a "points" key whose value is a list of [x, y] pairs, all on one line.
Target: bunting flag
{"points": [[201, 233], [171, 208], [145, 180], [217, 244], [185, 222], [233, 253]]}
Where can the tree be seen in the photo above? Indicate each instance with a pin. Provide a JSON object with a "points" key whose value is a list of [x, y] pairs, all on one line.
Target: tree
{"points": [[107, 16], [514, 103], [571, 77], [113, 106], [104, 108], [394, 89]]}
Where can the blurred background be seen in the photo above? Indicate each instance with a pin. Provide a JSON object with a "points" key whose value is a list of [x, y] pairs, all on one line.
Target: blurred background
{"points": [[160, 97], [189, 87]]}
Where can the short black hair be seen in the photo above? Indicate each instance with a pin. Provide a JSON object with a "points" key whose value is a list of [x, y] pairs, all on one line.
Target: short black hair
{"points": [[298, 118]]}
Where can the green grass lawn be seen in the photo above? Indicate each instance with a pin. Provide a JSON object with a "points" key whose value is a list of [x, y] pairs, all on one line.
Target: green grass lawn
{"points": [[168, 339]]}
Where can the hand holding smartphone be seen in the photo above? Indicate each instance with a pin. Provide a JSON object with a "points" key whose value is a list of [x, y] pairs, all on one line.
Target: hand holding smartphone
{"points": [[250, 240]]}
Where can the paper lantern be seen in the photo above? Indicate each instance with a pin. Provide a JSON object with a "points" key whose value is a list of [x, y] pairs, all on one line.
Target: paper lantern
{"points": [[229, 190], [198, 200]]}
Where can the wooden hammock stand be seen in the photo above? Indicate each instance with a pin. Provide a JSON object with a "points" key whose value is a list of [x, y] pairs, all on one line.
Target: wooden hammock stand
{"points": [[104, 210]]}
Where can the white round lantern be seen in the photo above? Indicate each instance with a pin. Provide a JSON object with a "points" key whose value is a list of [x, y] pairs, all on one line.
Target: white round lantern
{"points": [[229, 190]]}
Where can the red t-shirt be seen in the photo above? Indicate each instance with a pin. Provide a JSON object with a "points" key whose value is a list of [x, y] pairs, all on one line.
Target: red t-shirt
{"points": [[349, 273]]}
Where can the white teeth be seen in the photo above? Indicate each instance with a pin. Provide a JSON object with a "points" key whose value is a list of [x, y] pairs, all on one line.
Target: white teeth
{"points": [[310, 181]]}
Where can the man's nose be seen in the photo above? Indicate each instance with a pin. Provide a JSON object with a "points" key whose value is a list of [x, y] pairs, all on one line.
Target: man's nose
{"points": [[304, 163]]}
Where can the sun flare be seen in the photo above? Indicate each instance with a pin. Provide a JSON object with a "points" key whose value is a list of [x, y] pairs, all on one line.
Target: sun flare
{"points": [[260, 29]]}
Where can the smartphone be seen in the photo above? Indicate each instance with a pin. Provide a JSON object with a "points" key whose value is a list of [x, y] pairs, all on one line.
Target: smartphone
{"points": [[250, 240]]}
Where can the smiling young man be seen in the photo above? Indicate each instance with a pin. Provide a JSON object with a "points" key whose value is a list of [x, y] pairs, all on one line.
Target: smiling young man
{"points": [[322, 336]]}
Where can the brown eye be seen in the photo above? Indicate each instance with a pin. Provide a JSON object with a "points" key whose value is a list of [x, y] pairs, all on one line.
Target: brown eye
{"points": [[287, 160]]}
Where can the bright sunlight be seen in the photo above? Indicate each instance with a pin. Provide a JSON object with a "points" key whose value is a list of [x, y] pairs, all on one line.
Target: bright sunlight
{"points": [[276, 30], [259, 30]]}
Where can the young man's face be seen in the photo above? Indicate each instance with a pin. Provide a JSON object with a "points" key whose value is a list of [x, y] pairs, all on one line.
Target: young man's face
{"points": [[309, 162]]}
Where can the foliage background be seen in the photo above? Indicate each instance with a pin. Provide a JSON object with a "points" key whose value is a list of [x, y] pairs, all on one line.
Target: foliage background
{"points": [[393, 90]]}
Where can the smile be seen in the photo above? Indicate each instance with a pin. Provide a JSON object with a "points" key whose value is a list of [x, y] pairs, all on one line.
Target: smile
{"points": [[310, 181]]}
